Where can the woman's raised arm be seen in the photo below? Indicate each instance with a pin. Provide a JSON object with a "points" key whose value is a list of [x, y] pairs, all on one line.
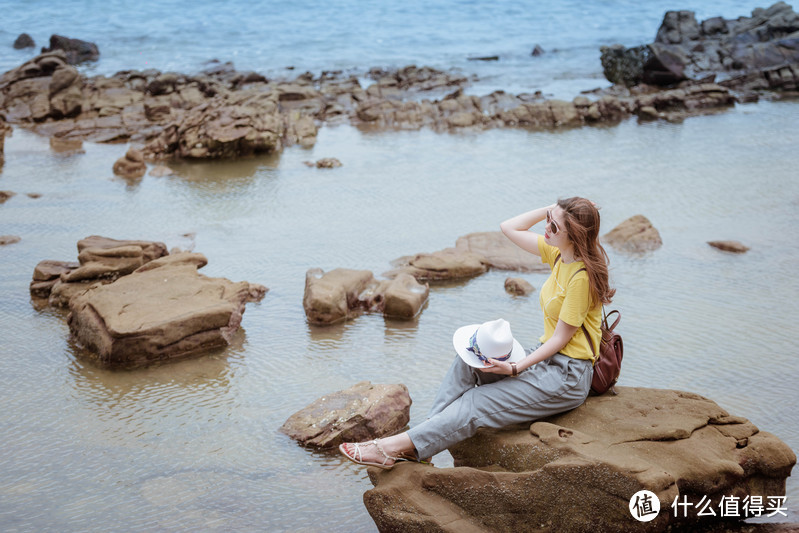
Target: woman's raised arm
{"points": [[516, 229]]}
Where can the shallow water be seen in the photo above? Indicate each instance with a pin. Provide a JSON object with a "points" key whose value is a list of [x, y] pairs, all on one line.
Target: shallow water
{"points": [[195, 445]]}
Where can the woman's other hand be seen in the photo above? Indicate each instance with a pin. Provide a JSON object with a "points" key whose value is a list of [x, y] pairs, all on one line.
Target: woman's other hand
{"points": [[498, 367]]}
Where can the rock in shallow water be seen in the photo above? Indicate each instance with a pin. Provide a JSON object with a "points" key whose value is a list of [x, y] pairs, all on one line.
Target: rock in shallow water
{"points": [[730, 246], [166, 313], [636, 234], [362, 412], [578, 471]]}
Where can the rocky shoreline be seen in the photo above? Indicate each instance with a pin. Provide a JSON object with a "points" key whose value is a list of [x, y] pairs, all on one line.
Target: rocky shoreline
{"points": [[224, 113]]}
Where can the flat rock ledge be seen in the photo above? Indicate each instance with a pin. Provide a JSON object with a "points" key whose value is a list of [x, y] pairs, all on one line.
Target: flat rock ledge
{"points": [[362, 412], [222, 113], [473, 254], [345, 293], [576, 472], [132, 304]]}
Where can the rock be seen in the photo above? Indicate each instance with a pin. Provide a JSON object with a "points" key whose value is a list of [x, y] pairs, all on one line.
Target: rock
{"points": [[159, 171], [245, 124], [181, 258], [104, 258], [131, 166], [76, 50], [730, 246], [537, 51], [579, 470], [334, 296], [449, 264], [167, 313], [66, 146], [484, 58], [636, 234], [362, 412], [689, 100], [687, 50], [61, 293], [24, 41], [402, 297], [499, 252], [47, 274], [328, 162], [5, 195], [518, 287], [648, 112], [9, 239]]}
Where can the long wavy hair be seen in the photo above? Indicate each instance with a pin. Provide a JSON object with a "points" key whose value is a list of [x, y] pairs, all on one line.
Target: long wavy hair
{"points": [[582, 226]]}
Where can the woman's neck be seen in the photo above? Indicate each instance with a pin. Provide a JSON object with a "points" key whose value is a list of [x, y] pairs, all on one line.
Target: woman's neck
{"points": [[567, 255]]}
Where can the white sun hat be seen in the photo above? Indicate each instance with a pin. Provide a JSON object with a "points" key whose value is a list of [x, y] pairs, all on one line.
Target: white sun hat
{"points": [[490, 340]]}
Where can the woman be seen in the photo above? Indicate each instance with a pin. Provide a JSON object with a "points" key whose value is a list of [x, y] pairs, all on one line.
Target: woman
{"points": [[492, 384]]}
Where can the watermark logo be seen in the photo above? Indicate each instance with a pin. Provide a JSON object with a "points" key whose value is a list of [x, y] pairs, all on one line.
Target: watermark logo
{"points": [[644, 506]]}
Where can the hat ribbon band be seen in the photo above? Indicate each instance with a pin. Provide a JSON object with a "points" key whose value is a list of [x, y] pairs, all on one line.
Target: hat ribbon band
{"points": [[475, 349]]}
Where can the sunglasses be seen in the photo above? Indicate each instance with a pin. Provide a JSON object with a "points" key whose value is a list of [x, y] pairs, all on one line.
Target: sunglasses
{"points": [[552, 224]]}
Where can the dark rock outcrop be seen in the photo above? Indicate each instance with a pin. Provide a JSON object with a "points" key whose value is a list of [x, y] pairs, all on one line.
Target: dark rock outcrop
{"points": [[24, 41], [579, 470], [76, 50], [762, 47], [361, 413]]}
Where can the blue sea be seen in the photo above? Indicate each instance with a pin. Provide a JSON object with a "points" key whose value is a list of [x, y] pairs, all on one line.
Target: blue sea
{"points": [[315, 36]]}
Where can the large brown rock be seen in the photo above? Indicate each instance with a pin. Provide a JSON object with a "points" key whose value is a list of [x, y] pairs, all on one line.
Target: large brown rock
{"points": [[166, 313], [499, 252], [636, 234], [224, 127], [334, 296], [362, 412], [577, 471]]}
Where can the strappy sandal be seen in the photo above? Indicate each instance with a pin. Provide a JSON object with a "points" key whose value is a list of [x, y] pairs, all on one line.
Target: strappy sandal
{"points": [[358, 455], [412, 457]]}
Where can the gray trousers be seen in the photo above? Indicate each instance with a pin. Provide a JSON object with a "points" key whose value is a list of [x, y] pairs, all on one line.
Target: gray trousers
{"points": [[469, 399]]}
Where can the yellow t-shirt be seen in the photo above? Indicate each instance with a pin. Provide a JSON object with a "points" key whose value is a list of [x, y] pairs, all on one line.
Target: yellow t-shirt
{"points": [[565, 296]]}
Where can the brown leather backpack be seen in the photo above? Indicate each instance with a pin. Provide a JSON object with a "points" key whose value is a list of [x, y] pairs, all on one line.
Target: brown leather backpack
{"points": [[607, 363]]}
